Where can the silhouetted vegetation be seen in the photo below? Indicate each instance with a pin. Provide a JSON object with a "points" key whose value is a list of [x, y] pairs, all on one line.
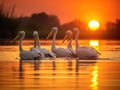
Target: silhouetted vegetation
{"points": [[112, 30], [40, 22], [8, 22]]}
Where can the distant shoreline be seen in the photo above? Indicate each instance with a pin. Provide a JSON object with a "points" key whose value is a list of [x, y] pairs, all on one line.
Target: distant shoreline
{"points": [[47, 42]]}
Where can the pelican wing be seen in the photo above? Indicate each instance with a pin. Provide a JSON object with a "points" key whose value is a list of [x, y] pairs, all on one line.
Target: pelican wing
{"points": [[86, 53], [95, 50], [47, 53], [61, 52], [72, 51], [36, 50], [29, 55]]}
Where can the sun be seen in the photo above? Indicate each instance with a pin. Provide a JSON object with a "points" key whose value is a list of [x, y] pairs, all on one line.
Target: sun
{"points": [[93, 25]]}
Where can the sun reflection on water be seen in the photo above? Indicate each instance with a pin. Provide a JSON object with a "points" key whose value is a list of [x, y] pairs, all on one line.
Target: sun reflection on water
{"points": [[94, 80], [94, 43]]}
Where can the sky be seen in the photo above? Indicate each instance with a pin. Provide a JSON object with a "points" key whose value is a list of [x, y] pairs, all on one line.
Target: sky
{"points": [[68, 10]]}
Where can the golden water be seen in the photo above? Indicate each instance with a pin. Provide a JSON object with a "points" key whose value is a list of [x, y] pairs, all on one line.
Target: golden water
{"points": [[61, 73]]}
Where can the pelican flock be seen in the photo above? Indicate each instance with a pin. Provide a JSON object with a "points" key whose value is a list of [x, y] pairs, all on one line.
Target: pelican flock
{"points": [[81, 52], [24, 54], [46, 53], [60, 52], [69, 36]]}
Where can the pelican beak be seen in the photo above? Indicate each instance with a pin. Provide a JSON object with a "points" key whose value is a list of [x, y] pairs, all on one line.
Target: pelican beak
{"points": [[35, 41], [73, 34], [70, 38], [17, 37], [49, 34], [65, 38], [36, 38]]}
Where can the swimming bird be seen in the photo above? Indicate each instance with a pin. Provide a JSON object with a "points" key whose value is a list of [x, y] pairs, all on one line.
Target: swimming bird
{"points": [[46, 53], [24, 54], [60, 52], [84, 52], [69, 36]]}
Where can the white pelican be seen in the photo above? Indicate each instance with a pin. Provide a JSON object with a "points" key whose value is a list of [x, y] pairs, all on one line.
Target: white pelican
{"points": [[68, 36], [60, 52], [84, 52], [46, 53], [26, 55]]}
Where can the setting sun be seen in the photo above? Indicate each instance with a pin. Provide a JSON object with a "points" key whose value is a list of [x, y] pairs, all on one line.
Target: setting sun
{"points": [[93, 25]]}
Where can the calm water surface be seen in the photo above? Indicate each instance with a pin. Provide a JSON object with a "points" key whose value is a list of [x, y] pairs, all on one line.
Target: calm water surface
{"points": [[61, 73]]}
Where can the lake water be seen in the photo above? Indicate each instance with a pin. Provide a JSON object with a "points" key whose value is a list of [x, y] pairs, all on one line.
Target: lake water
{"points": [[61, 73]]}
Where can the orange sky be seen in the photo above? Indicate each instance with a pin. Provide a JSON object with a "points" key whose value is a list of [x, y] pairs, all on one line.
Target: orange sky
{"points": [[68, 10]]}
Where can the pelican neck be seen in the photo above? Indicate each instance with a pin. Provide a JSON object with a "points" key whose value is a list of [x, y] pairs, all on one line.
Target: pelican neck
{"points": [[54, 38]]}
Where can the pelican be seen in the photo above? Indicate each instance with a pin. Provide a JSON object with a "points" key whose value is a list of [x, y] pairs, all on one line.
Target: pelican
{"points": [[84, 52], [68, 36], [60, 52], [46, 53], [26, 55]]}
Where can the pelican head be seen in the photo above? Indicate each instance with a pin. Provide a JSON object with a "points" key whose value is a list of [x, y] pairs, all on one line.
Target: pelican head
{"points": [[53, 30], [20, 35], [21, 32], [36, 36], [35, 33], [68, 35], [75, 30]]}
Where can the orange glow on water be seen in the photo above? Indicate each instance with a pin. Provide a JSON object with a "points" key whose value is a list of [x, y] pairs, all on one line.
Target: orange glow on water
{"points": [[61, 73], [94, 43]]}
